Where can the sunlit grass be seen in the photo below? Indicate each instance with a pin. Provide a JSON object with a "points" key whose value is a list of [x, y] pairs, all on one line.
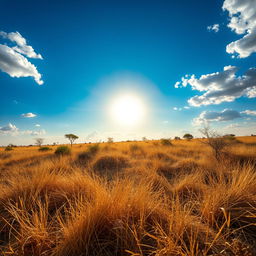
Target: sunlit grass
{"points": [[129, 198]]}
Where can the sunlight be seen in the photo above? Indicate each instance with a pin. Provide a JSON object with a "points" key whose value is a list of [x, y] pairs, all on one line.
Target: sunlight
{"points": [[127, 110]]}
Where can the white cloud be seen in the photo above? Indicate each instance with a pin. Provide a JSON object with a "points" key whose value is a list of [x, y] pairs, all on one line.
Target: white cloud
{"points": [[33, 133], [177, 85], [249, 112], [37, 125], [13, 60], [242, 15], [214, 27], [231, 126], [223, 86], [213, 116], [9, 129], [29, 115], [21, 44], [165, 122]]}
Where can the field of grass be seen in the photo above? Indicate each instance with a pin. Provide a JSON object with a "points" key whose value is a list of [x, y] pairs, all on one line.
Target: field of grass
{"points": [[130, 198]]}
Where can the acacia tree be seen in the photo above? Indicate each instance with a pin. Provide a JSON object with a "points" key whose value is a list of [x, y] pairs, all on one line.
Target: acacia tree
{"points": [[188, 136], [39, 141], [214, 140], [110, 140], [71, 137]]}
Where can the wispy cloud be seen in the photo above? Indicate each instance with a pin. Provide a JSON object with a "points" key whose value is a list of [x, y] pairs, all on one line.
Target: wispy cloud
{"points": [[249, 112], [13, 59], [33, 133], [214, 27]]}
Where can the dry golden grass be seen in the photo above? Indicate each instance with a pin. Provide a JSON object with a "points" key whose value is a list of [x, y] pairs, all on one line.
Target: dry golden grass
{"points": [[132, 198]]}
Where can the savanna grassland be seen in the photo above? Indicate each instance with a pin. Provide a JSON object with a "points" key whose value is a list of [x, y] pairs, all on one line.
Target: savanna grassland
{"points": [[130, 198]]}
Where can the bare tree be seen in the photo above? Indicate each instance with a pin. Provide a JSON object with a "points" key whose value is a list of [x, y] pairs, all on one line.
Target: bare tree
{"points": [[39, 141], [71, 137], [214, 140]]}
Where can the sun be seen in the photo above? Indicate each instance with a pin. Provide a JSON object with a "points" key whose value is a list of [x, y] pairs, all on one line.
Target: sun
{"points": [[127, 110]]}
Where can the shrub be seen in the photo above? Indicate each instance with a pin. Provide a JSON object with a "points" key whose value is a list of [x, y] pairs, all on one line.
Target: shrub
{"points": [[188, 136], [134, 147], [43, 149], [93, 149], [165, 142], [8, 148], [111, 163], [160, 156], [63, 150], [4, 155], [229, 138]]}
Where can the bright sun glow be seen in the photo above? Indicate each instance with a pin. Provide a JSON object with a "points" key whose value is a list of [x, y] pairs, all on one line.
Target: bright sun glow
{"points": [[127, 110]]}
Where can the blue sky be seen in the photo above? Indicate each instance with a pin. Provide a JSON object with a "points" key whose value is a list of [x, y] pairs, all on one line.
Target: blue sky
{"points": [[78, 57]]}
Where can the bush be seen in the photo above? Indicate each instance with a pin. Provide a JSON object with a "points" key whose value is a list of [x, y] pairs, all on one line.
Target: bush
{"points": [[188, 136], [112, 163], [229, 138], [63, 150], [43, 149], [4, 155], [93, 149], [8, 148], [134, 147], [165, 142], [85, 157]]}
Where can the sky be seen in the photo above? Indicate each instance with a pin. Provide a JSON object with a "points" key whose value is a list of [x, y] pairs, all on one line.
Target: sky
{"points": [[126, 69]]}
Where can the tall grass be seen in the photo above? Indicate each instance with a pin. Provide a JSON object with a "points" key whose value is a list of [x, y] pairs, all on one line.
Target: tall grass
{"points": [[129, 199]]}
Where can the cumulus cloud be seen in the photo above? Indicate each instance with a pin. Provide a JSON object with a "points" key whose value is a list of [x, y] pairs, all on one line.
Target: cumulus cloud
{"points": [[37, 125], [220, 87], [13, 59], [243, 22], [21, 44], [29, 115], [249, 112], [214, 27], [177, 85], [9, 129], [213, 116]]}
